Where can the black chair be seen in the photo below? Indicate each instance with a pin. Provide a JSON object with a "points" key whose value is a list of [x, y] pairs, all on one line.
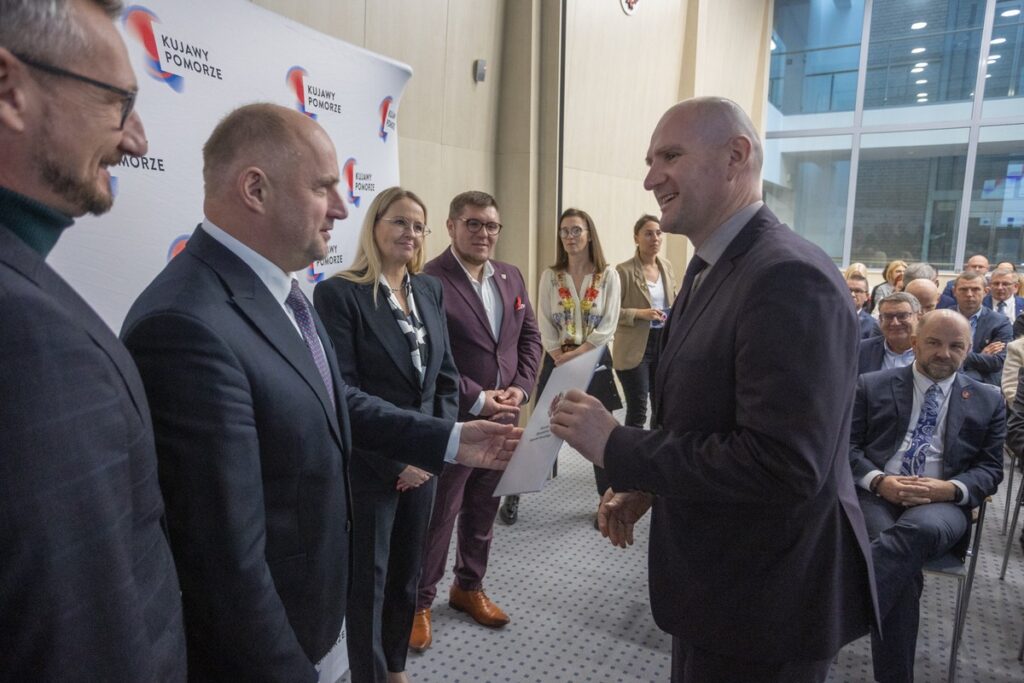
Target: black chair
{"points": [[1009, 485]]}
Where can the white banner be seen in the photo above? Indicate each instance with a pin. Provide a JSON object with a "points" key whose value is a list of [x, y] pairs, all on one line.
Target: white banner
{"points": [[195, 61]]}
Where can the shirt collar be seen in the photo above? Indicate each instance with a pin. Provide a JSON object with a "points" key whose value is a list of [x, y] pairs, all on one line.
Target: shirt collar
{"points": [[970, 317], [909, 351], [276, 280], [923, 382], [488, 268], [715, 245]]}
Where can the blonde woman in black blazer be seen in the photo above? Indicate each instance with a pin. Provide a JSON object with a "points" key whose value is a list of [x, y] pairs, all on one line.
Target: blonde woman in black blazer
{"points": [[648, 289]]}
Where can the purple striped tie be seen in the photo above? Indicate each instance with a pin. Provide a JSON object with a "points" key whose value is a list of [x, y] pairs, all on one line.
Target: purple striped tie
{"points": [[297, 302]]}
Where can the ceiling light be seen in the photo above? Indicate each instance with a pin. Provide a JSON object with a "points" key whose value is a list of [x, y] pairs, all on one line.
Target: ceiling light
{"points": [[916, 70], [921, 81], [917, 50], [922, 94], [773, 44], [923, 99], [1010, 13], [998, 41], [991, 61], [988, 75], [920, 65], [991, 56], [918, 25]]}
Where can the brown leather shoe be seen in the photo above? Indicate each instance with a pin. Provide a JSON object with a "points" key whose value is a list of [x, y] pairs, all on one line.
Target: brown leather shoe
{"points": [[421, 637], [477, 605]]}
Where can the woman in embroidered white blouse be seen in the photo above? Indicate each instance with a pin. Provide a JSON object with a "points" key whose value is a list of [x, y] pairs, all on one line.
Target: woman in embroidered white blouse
{"points": [[578, 299]]}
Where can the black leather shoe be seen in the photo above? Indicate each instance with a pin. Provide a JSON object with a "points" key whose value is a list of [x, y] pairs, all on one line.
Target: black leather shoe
{"points": [[509, 510]]}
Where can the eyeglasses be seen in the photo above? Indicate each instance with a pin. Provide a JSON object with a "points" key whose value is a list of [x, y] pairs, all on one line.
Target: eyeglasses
{"points": [[127, 96], [403, 224], [473, 225], [902, 317], [574, 231]]}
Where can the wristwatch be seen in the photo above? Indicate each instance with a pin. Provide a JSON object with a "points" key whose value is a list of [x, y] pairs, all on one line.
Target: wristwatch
{"points": [[875, 483]]}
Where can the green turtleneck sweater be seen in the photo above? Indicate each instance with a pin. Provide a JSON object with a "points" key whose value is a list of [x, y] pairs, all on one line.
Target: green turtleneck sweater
{"points": [[36, 224]]}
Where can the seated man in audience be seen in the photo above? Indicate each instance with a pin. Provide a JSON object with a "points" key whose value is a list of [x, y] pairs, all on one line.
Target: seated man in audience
{"points": [[1002, 294], [926, 292], [977, 263], [898, 314], [990, 331], [920, 270], [858, 285], [925, 447]]}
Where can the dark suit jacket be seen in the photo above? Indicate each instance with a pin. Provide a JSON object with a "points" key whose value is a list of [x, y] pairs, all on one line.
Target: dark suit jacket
{"points": [[946, 301], [1018, 302], [373, 355], [871, 355], [973, 436], [88, 589], [986, 368], [758, 549], [478, 355], [252, 458], [868, 325], [1018, 326]]}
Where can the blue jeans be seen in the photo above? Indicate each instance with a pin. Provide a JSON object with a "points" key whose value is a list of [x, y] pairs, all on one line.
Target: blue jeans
{"points": [[638, 382]]}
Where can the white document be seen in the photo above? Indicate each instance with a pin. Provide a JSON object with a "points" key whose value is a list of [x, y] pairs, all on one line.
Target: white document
{"points": [[535, 455]]}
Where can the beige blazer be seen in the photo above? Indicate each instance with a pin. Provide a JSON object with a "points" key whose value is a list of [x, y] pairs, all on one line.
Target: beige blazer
{"points": [[1011, 368], [631, 333]]}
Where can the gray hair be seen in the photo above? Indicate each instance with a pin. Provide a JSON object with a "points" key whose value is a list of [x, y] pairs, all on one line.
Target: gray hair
{"points": [[1004, 271], [919, 271], [902, 298], [46, 29]]}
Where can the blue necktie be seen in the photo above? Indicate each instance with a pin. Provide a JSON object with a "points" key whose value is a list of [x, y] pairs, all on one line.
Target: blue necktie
{"points": [[921, 437], [297, 302], [1002, 307]]}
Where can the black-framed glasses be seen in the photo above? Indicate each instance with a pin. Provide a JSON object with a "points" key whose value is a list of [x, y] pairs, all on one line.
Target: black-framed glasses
{"points": [[574, 231], [473, 225], [127, 96], [403, 224], [902, 316]]}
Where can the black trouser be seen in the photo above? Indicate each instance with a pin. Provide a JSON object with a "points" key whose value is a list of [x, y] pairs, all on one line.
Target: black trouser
{"points": [[638, 382]]}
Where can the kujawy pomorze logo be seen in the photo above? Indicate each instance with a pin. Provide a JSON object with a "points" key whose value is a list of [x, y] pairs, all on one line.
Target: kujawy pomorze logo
{"points": [[167, 56], [310, 99]]}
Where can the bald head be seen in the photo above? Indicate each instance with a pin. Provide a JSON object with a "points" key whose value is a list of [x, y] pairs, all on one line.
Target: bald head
{"points": [[925, 292], [941, 343], [717, 120]]}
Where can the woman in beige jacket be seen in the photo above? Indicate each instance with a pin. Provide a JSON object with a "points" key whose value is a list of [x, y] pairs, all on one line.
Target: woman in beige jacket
{"points": [[648, 289]]}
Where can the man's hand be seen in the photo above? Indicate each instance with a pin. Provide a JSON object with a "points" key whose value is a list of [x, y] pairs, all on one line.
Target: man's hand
{"points": [[510, 396], [911, 491], [584, 423], [494, 407], [487, 444], [619, 512], [411, 477], [993, 348]]}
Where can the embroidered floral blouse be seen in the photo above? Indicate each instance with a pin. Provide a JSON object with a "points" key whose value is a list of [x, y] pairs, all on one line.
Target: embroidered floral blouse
{"points": [[571, 317]]}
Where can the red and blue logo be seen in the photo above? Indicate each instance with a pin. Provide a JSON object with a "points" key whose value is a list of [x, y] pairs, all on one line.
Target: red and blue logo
{"points": [[138, 22], [349, 173], [313, 277], [385, 109], [177, 246], [295, 79]]}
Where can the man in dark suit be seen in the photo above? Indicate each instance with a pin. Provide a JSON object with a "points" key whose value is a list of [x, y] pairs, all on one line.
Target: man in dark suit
{"points": [[88, 589], [898, 314], [758, 553], [925, 447], [990, 331], [858, 285], [254, 425], [1002, 294], [497, 349], [926, 292], [976, 263]]}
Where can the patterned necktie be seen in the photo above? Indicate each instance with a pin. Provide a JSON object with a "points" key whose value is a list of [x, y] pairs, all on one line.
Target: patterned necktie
{"points": [[921, 437], [1002, 307], [297, 302]]}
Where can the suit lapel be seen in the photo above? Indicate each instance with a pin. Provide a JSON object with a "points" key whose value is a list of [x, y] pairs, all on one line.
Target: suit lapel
{"points": [[459, 281], [903, 402], [640, 282], [381, 320], [256, 303], [428, 311], [956, 410], [508, 301]]}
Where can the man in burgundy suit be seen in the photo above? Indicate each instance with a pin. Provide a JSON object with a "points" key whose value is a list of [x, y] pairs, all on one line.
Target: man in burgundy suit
{"points": [[497, 349]]}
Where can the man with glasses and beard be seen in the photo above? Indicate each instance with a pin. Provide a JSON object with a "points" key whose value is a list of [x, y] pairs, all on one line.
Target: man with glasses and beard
{"points": [[88, 588]]}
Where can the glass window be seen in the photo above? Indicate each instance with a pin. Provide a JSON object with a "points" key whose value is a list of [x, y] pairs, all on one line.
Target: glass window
{"points": [[1004, 72], [997, 195], [806, 183], [814, 61], [909, 189], [922, 54]]}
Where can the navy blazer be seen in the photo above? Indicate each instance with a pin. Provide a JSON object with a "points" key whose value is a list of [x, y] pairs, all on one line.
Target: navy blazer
{"points": [[88, 589], [253, 458], [988, 368], [373, 355], [758, 548], [480, 358], [973, 437], [1018, 302], [868, 325], [871, 355]]}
